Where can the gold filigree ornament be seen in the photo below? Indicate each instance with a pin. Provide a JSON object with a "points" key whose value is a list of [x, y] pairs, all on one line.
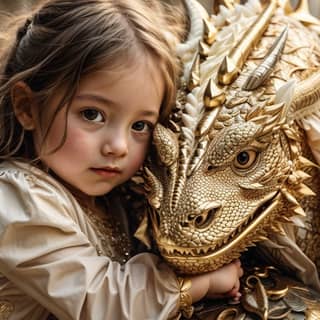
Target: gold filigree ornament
{"points": [[6, 309]]}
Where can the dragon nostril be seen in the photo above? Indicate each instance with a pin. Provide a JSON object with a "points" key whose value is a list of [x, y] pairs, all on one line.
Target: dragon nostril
{"points": [[205, 219]]}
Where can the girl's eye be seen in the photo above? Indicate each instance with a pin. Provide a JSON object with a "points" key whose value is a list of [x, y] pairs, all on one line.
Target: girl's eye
{"points": [[245, 159], [92, 115], [142, 126]]}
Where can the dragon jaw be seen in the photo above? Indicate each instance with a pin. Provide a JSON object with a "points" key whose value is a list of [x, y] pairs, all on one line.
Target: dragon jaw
{"points": [[203, 258]]}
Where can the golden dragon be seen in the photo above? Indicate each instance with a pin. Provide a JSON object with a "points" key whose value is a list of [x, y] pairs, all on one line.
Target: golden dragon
{"points": [[232, 174]]}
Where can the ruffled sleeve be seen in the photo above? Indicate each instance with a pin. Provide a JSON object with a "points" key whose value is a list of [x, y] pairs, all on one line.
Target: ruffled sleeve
{"points": [[46, 254]]}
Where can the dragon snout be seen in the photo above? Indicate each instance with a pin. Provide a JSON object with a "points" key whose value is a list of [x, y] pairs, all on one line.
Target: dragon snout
{"points": [[201, 220]]}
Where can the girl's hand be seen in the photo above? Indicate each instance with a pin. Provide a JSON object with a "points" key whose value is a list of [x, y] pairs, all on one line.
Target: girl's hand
{"points": [[221, 283], [224, 282]]}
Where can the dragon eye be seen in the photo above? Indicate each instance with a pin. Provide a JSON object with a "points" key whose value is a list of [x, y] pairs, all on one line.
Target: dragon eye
{"points": [[245, 159]]}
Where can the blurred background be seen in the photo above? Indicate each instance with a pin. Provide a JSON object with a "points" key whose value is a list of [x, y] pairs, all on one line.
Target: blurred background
{"points": [[14, 5]]}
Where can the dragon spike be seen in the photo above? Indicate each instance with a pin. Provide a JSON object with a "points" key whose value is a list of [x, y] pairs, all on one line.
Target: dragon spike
{"points": [[207, 121], [305, 163], [291, 134], [304, 190], [263, 71], [182, 173], [155, 196], [167, 144], [203, 49], [291, 199], [299, 211], [274, 119], [199, 152], [178, 187], [227, 3], [233, 63], [194, 78], [213, 95], [210, 32]]}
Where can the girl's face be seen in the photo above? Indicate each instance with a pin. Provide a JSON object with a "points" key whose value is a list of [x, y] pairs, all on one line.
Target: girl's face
{"points": [[109, 127]]}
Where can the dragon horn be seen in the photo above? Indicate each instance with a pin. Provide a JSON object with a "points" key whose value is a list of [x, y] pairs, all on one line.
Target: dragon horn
{"points": [[196, 14], [305, 95], [233, 63], [200, 31], [264, 69]]}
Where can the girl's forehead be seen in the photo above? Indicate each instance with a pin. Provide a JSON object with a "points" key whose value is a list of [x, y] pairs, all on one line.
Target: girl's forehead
{"points": [[123, 71]]}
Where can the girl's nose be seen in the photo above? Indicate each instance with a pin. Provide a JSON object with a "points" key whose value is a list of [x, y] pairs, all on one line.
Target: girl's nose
{"points": [[116, 145]]}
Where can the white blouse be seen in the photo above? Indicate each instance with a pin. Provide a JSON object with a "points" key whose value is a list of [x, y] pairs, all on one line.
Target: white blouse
{"points": [[50, 262]]}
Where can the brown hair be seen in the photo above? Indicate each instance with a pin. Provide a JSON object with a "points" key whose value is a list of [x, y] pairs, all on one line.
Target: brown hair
{"points": [[63, 40]]}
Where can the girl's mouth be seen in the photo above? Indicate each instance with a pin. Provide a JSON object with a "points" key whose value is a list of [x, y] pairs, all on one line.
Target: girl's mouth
{"points": [[107, 172]]}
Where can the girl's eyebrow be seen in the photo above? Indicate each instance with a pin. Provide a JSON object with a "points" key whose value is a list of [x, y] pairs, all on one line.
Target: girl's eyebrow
{"points": [[94, 97], [103, 100]]}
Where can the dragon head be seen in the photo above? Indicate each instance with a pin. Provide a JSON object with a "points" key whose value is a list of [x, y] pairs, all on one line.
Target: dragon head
{"points": [[229, 167]]}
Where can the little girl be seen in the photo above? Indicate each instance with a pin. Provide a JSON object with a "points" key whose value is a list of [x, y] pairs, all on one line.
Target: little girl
{"points": [[82, 85]]}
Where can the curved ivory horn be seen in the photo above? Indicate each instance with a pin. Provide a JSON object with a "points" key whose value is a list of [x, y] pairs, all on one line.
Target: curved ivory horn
{"points": [[306, 94], [196, 15]]}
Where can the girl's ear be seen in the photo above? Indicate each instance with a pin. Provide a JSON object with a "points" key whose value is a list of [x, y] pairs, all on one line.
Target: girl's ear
{"points": [[23, 103]]}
